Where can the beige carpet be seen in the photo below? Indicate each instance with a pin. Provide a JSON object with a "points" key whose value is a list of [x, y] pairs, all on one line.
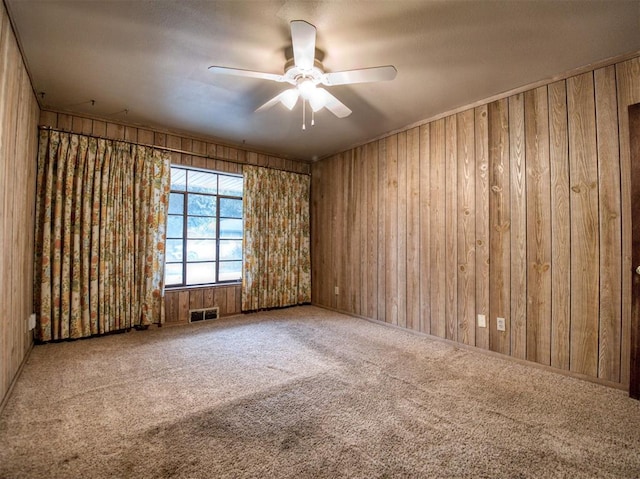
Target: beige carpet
{"points": [[305, 393]]}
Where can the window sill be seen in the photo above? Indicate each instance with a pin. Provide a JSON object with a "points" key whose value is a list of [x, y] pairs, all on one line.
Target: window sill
{"points": [[172, 289]]}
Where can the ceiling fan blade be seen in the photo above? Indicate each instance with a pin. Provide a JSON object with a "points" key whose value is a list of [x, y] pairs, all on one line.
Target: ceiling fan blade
{"points": [[334, 105], [246, 73], [288, 98], [303, 38], [363, 75]]}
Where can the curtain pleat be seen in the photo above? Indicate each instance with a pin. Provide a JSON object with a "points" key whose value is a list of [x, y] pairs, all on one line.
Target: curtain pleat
{"points": [[277, 262], [100, 234]]}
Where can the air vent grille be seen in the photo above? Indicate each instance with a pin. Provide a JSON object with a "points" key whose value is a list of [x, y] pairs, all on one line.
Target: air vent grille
{"points": [[205, 314]]}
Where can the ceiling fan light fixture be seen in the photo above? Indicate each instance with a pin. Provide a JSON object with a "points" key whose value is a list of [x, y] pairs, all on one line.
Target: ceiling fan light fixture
{"points": [[307, 88], [318, 99], [289, 98]]}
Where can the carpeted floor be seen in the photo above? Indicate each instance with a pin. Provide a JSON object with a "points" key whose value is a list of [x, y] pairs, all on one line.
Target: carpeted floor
{"points": [[305, 393]]}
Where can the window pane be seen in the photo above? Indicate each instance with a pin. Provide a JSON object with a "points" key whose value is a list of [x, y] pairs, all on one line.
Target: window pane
{"points": [[199, 273], [230, 228], [201, 182], [201, 250], [230, 208], [175, 226], [230, 270], [201, 227], [172, 274], [201, 205], [176, 203], [230, 249], [178, 179], [230, 185], [174, 250]]}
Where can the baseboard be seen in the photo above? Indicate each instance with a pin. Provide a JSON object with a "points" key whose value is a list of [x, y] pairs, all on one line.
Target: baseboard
{"points": [[6, 397], [486, 352]]}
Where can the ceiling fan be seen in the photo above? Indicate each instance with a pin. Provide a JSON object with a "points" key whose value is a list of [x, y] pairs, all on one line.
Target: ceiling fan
{"points": [[306, 73]]}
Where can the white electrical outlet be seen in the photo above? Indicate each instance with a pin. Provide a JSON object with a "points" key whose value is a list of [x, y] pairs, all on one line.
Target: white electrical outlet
{"points": [[337, 290], [501, 324], [32, 321], [482, 321]]}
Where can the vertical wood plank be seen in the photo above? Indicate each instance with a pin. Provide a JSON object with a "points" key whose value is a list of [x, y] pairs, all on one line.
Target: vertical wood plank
{"points": [[352, 229], [363, 216], [382, 240], [585, 255], [371, 166], [48, 118], [499, 220], [628, 87], [65, 121], [518, 274], [437, 252], [538, 226], [451, 229], [130, 134], [424, 249], [413, 229], [610, 329], [466, 228], [482, 222], [316, 232], [171, 306], [196, 298], [183, 306], [401, 281], [99, 128], [231, 300], [220, 300], [208, 298], [560, 226], [391, 230], [115, 131]]}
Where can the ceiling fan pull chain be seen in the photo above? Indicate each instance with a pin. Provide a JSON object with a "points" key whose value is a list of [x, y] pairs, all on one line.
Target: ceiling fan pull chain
{"points": [[313, 117], [304, 116]]}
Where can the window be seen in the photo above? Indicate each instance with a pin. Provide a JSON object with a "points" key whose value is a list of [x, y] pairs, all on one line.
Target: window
{"points": [[204, 228]]}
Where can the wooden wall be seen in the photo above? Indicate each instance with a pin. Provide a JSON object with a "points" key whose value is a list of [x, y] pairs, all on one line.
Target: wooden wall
{"points": [[206, 154], [518, 208], [18, 142]]}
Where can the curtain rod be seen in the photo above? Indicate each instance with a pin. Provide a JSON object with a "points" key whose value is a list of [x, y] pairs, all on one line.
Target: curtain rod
{"points": [[164, 148]]}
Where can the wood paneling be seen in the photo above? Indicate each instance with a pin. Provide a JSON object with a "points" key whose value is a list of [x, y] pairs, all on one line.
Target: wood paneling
{"points": [[610, 324], [19, 114], [517, 209], [466, 223], [424, 223], [437, 230], [412, 191], [482, 222], [499, 227], [560, 226], [538, 226], [450, 231], [179, 302], [585, 254], [518, 227]]}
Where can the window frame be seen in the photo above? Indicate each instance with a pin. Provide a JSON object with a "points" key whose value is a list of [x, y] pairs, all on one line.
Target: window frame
{"points": [[216, 215]]}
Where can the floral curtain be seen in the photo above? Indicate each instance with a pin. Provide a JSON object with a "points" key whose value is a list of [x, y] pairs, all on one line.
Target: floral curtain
{"points": [[277, 262], [100, 234]]}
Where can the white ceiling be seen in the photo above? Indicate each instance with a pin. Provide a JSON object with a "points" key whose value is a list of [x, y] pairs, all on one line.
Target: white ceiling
{"points": [[151, 58]]}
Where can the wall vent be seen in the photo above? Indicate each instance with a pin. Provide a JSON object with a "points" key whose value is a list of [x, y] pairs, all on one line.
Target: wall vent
{"points": [[203, 314]]}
